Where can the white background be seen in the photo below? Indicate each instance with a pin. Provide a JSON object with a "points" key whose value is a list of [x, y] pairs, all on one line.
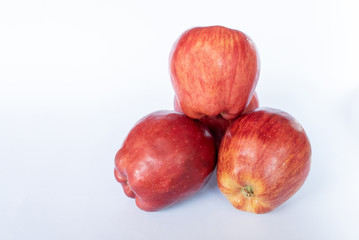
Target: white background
{"points": [[75, 76]]}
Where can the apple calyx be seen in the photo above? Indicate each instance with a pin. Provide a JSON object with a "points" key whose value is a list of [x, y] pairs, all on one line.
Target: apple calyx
{"points": [[248, 191]]}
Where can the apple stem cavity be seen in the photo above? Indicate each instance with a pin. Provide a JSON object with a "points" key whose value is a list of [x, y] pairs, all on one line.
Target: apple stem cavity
{"points": [[248, 191]]}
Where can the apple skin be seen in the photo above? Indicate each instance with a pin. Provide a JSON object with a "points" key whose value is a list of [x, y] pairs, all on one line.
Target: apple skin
{"points": [[264, 159], [165, 158], [253, 104], [218, 125], [214, 71]]}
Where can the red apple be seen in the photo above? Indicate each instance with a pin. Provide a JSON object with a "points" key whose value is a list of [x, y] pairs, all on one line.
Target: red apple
{"points": [[214, 71], [253, 104], [218, 125], [264, 158], [165, 158]]}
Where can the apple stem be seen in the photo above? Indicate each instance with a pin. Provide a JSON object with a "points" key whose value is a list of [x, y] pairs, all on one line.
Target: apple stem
{"points": [[248, 191]]}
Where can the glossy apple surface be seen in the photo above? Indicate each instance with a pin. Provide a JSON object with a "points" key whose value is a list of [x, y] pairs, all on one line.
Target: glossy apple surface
{"points": [[214, 71], [253, 104], [165, 158], [264, 158], [218, 125]]}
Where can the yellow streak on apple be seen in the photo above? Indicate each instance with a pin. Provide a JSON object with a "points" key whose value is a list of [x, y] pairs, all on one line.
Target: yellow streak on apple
{"points": [[239, 198]]}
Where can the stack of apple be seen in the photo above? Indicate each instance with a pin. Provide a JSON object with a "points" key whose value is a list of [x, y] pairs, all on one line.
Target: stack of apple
{"points": [[262, 154]]}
